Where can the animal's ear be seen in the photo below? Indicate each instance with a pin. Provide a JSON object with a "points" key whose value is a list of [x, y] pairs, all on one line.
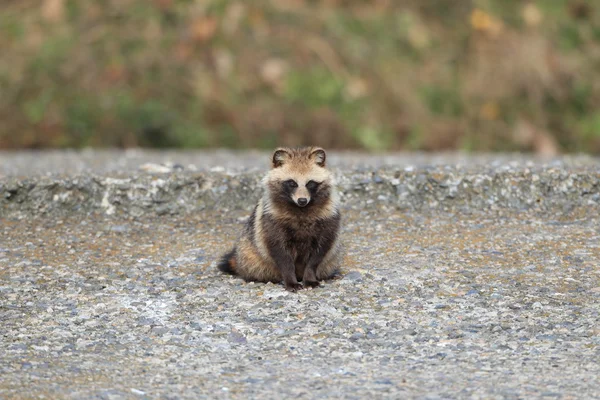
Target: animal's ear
{"points": [[280, 157], [318, 156]]}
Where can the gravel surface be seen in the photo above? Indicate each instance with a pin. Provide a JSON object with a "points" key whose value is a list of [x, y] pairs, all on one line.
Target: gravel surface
{"points": [[440, 305], [450, 300]]}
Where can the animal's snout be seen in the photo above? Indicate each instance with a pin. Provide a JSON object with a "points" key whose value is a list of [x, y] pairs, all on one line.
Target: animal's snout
{"points": [[302, 201]]}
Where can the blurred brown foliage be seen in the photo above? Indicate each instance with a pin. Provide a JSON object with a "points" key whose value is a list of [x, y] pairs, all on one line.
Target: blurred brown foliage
{"points": [[488, 75]]}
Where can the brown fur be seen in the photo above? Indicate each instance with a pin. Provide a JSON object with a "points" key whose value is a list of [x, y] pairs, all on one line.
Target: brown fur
{"points": [[283, 240]]}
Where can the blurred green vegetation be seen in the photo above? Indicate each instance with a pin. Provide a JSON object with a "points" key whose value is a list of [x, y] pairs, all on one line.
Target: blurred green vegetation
{"points": [[479, 75]]}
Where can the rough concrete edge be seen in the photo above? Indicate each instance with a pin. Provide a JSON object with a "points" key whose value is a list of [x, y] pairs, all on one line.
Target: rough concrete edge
{"points": [[182, 192]]}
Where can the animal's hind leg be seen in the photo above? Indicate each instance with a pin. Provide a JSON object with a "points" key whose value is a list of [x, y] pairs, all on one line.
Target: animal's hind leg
{"points": [[330, 264], [253, 267]]}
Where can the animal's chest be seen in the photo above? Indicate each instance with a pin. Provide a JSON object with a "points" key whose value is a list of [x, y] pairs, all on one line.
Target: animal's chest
{"points": [[302, 235]]}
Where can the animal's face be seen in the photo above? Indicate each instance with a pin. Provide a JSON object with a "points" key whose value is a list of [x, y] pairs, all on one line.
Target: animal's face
{"points": [[299, 177], [300, 191]]}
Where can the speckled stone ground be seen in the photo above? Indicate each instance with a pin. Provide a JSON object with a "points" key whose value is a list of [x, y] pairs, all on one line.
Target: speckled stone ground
{"points": [[431, 304], [465, 277]]}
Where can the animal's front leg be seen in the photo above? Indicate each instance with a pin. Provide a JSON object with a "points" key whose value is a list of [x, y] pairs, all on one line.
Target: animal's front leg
{"points": [[288, 273], [310, 272], [321, 247], [310, 277], [286, 267], [314, 260]]}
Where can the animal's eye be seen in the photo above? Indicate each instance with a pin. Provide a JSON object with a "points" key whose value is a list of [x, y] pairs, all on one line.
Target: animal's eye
{"points": [[311, 185], [291, 183]]}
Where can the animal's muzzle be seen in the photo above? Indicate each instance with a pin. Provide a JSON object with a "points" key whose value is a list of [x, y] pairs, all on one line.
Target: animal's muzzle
{"points": [[302, 201]]}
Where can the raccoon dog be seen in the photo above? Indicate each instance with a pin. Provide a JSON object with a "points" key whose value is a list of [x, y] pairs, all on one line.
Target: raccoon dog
{"points": [[292, 234]]}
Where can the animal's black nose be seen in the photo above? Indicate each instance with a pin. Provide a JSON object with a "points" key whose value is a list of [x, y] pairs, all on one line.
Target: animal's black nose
{"points": [[302, 201]]}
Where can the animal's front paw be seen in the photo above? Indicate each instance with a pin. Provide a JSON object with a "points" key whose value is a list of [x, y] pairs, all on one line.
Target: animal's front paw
{"points": [[293, 287], [311, 284]]}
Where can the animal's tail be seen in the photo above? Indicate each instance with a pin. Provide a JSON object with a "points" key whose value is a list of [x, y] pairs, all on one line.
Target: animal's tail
{"points": [[228, 263]]}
